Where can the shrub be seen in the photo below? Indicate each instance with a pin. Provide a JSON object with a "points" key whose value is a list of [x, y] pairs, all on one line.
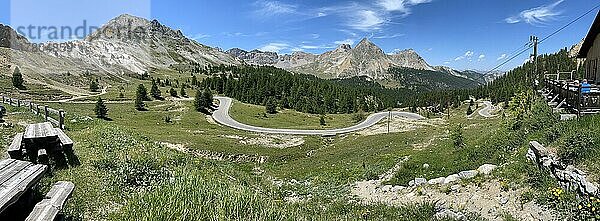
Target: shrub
{"points": [[17, 79], [457, 136], [576, 147]]}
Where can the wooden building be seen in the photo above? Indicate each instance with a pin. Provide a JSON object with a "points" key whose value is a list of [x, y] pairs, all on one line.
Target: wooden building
{"points": [[590, 50]]}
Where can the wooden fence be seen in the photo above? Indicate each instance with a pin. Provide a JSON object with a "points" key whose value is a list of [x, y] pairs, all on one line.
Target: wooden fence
{"points": [[56, 117]]}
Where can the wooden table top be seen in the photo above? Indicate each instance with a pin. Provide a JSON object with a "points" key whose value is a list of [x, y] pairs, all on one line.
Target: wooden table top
{"points": [[41, 130]]}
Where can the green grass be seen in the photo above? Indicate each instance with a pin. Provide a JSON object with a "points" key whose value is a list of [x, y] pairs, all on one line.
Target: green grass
{"points": [[286, 119]]}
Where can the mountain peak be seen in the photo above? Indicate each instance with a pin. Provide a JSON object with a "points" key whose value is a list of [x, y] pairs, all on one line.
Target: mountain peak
{"points": [[364, 41]]}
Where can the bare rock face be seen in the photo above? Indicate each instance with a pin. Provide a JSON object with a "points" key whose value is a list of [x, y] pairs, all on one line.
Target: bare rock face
{"points": [[9, 38], [366, 59]]}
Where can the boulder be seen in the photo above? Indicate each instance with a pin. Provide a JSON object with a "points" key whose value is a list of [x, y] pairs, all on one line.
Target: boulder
{"points": [[436, 181], [420, 181], [486, 169], [468, 174], [451, 178]]}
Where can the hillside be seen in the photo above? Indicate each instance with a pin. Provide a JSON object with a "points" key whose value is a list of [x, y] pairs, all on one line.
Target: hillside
{"points": [[111, 53]]}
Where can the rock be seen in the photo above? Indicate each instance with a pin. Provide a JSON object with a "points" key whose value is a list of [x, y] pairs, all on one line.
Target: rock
{"points": [[503, 201], [411, 183], [486, 169], [397, 188], [436, 181], [386, 188], [449, 214], [468, 174], [420, 181], [425, 166], [455, 188], [451, 178]]}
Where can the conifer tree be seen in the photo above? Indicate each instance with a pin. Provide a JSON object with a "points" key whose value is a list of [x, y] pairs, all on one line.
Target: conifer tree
{"points": [[140, 96], [101, 110], [17, 79], [154, 91]]}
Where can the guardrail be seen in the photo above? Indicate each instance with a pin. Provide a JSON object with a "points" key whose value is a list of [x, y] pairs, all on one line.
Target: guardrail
{"points": [[37, 109]]}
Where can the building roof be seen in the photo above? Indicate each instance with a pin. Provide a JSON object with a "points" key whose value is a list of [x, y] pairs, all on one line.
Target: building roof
{"points": [[590, 37]]}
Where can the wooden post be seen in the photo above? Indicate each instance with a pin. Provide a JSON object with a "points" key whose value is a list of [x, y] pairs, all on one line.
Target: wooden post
{"points": [[30, 106], [61, 119], [18, 103], [46, 112]]}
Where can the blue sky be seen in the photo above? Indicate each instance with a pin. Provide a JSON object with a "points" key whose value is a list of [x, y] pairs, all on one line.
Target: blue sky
{"points": [[463, 34]]}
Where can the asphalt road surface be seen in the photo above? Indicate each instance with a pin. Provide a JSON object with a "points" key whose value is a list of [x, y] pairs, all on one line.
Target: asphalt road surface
{"points": [[485, 112], [221, 115]]}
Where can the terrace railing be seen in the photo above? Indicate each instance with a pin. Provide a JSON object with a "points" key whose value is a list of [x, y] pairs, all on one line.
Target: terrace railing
{"points": [[56, 117], [571, 93]]}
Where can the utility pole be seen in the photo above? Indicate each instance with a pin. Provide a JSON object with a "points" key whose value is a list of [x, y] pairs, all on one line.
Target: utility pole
{"points": [[533, 41], [389, 118]]}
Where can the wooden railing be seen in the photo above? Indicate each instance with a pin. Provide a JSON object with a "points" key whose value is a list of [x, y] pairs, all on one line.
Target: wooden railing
{"points": [[56, 117], [571, 92]]}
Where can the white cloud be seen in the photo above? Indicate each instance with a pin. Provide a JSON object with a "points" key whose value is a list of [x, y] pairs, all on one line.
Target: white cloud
{"points": [[537, 15], [400, 5], [503, 56], [346, 41], [270, 8], [321, 14], [200, 36], [469, 54], [481, 57], [367, 20], [315, 36], [387, 36], [274, 47]]}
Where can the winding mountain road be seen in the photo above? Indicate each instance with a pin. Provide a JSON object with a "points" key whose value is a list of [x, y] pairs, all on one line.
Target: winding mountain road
{"points": [[485, 112], [221, 115]]}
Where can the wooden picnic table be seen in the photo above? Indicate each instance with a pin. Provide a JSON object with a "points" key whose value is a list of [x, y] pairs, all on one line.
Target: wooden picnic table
{"points": [[16, 177]]}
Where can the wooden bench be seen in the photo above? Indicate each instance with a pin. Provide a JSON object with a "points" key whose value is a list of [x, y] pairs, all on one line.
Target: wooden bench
{"points": [[15, 150], [53, 202], [16, 177], [65, 142]]}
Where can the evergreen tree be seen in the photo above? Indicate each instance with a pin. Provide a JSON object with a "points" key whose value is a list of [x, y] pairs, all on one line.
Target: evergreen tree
{"points": [[457, 136], [208, 98], [194, 80], [101, 110], [173, 92], [154, 91], [469, 110], [142, 92], [182, 92], [200, 101], [140, 96], [270, 106], [94, 86], [322, 120], [17, 79]]}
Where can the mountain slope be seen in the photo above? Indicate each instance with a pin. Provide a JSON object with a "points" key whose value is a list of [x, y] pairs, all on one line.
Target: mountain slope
{"points": [[365, 60], [126, 45]]}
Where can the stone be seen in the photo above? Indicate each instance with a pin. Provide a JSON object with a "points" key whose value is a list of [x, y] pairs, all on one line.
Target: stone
{"points": [[397, 188], [449, 214], [503, 201], [411, 183], [436, 181], [425, 166], [386, 188], [451, 178], [468, 174], [455, 188], [486, 169], [420, 181]]}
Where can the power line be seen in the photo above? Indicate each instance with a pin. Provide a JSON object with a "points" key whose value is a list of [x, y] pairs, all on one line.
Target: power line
{"points": [[543, 39]]}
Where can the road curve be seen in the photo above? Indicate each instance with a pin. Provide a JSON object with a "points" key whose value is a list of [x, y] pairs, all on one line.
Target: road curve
{"points": [[221, 115], [485, 112]]}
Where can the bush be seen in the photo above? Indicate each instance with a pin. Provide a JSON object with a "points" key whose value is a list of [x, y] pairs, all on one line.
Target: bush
{"points": [[457, 136], [576, 147], [358, 117]]}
